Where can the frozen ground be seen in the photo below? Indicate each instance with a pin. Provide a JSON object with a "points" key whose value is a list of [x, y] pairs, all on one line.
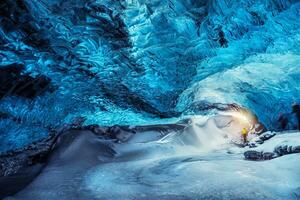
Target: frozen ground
{"points": [[198, 162]]}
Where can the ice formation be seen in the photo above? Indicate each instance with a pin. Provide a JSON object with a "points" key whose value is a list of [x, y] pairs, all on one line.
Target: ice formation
{"points": [[136, 62], [140, 62]]}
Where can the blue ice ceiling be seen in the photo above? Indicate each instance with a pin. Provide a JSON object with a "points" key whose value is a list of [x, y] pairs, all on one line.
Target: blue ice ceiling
{"points": [[141, 62]]}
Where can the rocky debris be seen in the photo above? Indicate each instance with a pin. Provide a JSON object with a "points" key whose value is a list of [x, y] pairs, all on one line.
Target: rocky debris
{"points": [[118, 133], [13, 82], [164, 128], [12, 161], [252, 144], [18, 168], [253, 155], [261, 139], [256, 155], [296, 149], [98, 130], [268, 155], [286, 149], [267, 135], [122, 134], [279, 150], [271, 145]]}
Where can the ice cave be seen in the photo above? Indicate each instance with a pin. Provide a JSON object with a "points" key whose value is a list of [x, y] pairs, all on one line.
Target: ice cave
{"points": [[150, 99]]}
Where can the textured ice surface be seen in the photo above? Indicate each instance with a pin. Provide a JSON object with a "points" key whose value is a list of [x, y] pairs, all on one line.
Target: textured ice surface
{"points": [[135, 62], [181, 165], [149, 62], [253, 84]]}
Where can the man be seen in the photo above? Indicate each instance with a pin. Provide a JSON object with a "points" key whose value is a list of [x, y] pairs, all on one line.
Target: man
{"points": [[244, 135], [296, 111]]}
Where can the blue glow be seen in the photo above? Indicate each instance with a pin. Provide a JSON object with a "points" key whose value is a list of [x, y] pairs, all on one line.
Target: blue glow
{"points": [[147, 61]]}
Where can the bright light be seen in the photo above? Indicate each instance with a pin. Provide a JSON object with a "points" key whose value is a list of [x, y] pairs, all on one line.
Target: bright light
{"points": [[244, 117]]}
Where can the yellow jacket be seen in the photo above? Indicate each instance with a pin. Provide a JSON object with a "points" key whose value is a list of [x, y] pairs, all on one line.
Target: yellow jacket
{"points": [[244, 131]]}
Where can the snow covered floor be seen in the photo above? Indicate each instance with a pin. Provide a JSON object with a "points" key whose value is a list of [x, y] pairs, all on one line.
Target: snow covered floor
{"points": [[198, 162]]}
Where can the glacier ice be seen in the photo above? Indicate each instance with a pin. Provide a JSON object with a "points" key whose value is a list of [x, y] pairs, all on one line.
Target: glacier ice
{"points": [[145, 62], [142, 62]]}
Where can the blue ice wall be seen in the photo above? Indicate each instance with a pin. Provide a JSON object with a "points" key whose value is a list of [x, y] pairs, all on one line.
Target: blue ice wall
{"points": [[259, 67], [138, 62]]}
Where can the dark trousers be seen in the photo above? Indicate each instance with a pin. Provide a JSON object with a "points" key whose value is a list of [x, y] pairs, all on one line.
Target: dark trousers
{"points": [[244, 138]]}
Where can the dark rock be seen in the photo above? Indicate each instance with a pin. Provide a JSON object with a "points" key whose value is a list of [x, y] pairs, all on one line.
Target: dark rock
{"points": [[281, 150], [259, 128], [285, 149], [252, 145], [296, 149], [259, 141], [100, 130], [290, 149], [12, 161], [122, 134], [267, 135], [253, 155], [268, 155], [18, 168], [256, 155], [163, 127]]}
